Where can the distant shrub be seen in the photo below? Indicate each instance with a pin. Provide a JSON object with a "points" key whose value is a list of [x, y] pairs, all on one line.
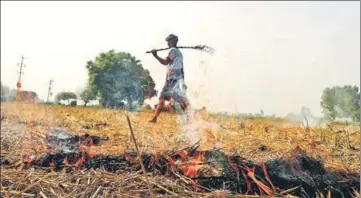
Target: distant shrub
{"points": [[73, 103], [344, 123]]}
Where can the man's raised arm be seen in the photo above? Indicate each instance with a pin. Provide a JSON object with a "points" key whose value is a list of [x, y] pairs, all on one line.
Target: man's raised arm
{"points": [[161, 60], [166, 61]]}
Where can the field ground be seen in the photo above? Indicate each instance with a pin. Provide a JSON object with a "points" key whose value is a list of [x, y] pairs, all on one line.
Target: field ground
{"points": [[25, 126]]}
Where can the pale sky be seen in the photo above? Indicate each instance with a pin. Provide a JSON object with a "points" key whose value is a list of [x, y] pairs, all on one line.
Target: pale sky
{"points": [[275, 56]]}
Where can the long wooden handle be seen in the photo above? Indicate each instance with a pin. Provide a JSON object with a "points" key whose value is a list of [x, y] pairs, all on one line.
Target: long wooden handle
{"points": [[157, 50], [198, 47]]}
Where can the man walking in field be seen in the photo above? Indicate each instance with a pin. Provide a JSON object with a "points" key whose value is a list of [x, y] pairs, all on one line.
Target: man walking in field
{"points": [[174, 88]]}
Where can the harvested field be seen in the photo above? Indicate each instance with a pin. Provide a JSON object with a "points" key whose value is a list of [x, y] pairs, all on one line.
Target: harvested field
{"points": [[25, 128]]}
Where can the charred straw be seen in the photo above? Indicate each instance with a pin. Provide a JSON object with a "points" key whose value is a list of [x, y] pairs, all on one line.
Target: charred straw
{"points": [[213, 169]]}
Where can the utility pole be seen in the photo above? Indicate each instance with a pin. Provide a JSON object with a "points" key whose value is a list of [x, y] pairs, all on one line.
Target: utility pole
{"points": [[18, 84], [21, 68], [49, 90]]}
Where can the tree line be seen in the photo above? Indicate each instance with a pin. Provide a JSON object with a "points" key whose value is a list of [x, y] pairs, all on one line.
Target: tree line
{"points": [[341, 102], [115, 79], [118, 80]]}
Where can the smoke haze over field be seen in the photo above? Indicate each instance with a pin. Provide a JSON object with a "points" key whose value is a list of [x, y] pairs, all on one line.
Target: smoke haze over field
{"points": [[275, 56]]}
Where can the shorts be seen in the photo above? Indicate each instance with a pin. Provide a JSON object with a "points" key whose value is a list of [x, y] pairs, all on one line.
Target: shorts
{"points": [[174, 88]]}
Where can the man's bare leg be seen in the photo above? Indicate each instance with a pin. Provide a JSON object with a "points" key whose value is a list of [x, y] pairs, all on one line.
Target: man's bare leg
{"points": [[186, 108], [158, 110]]}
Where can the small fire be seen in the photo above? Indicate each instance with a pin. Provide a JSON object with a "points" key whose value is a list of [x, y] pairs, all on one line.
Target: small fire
{"points": [[87, 150], [211, 169], [52, 165], [267, 177], [88, 141], [248, 183], [78, 163], [66, 162], [260, 185], [28, 156]]}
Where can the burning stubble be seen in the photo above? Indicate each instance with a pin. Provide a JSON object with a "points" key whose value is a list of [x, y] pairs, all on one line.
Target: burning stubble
{"points": [[26, 122], [199, 127], [206, 169], [115, 156], [197, 130]]}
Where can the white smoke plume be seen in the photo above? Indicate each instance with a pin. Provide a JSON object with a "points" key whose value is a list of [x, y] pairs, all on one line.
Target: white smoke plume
{"points": [[305, 118], [194, 131]]}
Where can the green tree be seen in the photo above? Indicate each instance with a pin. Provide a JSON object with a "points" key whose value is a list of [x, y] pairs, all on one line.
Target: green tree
{"points": [[65, 96], [4, 92], [11, 97], [86, 95], [118, 77], [341, 102], [7, 95]]}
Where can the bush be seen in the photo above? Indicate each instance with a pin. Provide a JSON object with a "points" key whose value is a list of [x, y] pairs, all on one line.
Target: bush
{"points": [[73, 103]]}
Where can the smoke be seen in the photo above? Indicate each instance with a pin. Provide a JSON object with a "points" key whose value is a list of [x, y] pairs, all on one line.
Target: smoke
{"points": [[194, 130], [305, 118], [8, 95], [62, 140], [121, 88], [339, 112]]}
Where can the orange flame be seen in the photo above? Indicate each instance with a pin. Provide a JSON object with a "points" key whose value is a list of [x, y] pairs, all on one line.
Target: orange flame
{"points": [[87, 142], [66, 162], [249, 189], [79, 162], [259, 184], [267, 177], [88, 151], [52, 165]]}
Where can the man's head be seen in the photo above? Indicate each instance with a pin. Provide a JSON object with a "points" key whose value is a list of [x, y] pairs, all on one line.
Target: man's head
{"points": [[172, 40]]}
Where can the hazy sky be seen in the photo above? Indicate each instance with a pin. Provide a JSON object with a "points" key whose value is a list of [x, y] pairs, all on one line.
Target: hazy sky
{"points": [[275, 56]]}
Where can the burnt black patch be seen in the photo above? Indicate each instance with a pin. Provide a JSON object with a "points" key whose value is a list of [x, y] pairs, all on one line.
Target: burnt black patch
{"points": [[211, 169]]}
